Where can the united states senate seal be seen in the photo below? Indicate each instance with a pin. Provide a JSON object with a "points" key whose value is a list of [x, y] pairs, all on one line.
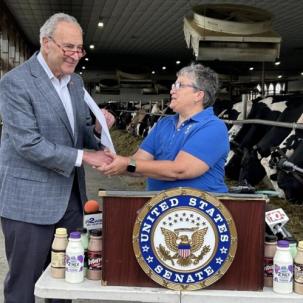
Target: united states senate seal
{"points": [[184, 239]]}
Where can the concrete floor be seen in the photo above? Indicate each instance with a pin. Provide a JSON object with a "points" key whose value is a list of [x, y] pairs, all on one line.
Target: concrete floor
{"points": [[94, 182]]}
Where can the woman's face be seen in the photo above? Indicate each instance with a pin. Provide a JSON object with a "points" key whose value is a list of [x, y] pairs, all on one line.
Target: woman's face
{"points": [[185, 96]]}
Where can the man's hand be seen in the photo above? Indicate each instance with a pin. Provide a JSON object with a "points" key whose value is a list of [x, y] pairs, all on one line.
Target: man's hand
{"points": [[116, 167], [109, 118], [97, 158]]}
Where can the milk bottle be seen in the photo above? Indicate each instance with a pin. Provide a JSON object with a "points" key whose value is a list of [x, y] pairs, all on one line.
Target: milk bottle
{"points": [[74, 261], [298, 270], [283, 269], [95, 255], [58, 254]]}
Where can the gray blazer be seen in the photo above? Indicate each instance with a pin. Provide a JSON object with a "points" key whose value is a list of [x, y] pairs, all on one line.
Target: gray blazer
{"points": [[38, 150]]}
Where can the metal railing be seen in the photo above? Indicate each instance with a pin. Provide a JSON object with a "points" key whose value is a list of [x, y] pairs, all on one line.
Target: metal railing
{"points": [[292, 125]]}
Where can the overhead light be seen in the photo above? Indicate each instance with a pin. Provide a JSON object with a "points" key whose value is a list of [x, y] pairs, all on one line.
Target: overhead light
{"points": [[164, 67], [153, 72], [92, 46], [100, 24], [83, 67], [277, 62], [178, 62], [251, 68], [280, 76], [80, 73], [302, 74], [86, 59]]}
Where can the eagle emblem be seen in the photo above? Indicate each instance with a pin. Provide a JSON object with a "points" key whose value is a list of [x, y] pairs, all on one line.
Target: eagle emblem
{"points": [[183, 247]]}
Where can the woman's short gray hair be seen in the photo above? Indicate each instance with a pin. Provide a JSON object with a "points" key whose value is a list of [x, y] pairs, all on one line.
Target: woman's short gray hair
{"points": [[203, 78], [48, 28]]}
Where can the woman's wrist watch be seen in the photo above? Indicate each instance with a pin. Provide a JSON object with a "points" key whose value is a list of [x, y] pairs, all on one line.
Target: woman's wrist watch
{"points": [[131, 167]]}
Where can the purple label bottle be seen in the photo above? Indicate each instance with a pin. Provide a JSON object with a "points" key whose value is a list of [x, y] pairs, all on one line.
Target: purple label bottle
{"points": [[74, 260]]}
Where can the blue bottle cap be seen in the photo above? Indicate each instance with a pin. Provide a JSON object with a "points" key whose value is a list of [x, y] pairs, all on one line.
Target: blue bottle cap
{"points": [[283, 243], [75, 235]]}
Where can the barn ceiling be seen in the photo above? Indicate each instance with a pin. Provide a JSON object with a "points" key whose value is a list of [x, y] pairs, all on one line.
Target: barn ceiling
{"points": [[147, 34]]}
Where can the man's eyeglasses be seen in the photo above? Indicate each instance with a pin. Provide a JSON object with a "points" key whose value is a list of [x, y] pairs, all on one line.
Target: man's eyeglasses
{"points": [[68, 49], [178, 85]]}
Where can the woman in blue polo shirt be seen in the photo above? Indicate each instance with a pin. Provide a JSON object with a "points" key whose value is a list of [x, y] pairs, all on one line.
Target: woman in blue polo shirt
{"points": [[186, 149]]}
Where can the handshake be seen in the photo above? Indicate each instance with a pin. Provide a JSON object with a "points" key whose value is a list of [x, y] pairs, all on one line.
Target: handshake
{"points": [[106, 162]]}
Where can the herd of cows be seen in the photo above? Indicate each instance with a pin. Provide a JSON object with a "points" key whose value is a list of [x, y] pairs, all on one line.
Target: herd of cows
{"points": [[258, 150], [271, 151]]}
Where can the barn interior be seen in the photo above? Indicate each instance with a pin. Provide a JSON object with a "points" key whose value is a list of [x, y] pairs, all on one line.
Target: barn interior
{"points": [[134, 49]]}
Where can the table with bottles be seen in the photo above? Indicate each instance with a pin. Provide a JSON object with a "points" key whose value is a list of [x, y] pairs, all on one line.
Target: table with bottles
{"points": [[48, 287]]}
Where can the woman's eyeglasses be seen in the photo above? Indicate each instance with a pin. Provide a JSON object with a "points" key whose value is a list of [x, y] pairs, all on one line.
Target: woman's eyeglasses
{"points": [[178, 85]]}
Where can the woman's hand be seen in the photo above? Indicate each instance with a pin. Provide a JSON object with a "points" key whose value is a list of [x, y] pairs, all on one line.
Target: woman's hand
{"points": [[117, 167]]}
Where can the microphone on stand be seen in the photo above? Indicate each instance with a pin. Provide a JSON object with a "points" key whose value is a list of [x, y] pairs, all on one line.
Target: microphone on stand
{"points": [[275, 220], [92, 218]]}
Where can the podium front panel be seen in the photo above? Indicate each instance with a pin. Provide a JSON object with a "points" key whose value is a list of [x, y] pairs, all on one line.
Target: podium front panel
{"points": [[120, 267]]}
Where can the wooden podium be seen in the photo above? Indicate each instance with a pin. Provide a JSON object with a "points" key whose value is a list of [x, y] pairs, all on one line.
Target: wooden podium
{"points": [[120, 267]]}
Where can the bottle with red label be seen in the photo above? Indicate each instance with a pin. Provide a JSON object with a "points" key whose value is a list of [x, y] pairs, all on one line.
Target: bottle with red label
{"points": [[270, 247], [94, 254]]}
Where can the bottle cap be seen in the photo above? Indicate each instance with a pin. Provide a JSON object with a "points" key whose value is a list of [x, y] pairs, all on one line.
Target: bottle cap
{"points": [[82, 230], [96, 232], [61, 231], [75, 235], [300, 245], [270, 238], [283, 243], [292, 241]]}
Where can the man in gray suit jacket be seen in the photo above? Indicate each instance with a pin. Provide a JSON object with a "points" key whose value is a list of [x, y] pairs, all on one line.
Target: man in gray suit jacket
{"points": [[46, 126]]}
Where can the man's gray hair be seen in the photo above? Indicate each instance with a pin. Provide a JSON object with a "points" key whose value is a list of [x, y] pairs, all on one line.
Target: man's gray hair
{"points": [[48, 28], [203, 78]]}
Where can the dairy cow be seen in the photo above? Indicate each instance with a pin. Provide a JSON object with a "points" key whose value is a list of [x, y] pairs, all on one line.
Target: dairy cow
{"points": [[285, 150], [253, 142], [290, 175], [252, 170], [249, 135]]}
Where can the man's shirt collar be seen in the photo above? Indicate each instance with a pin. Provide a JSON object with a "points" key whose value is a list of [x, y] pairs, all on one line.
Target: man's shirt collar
{"points": [[63, 81]]}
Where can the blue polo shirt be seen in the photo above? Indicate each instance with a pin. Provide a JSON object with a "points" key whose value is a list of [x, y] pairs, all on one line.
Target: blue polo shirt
{"points": [[204, 136]]}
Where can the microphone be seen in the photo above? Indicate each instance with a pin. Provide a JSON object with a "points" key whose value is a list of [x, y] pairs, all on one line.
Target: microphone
{"points": [[275, 220], [92, 218], [91, 206]]}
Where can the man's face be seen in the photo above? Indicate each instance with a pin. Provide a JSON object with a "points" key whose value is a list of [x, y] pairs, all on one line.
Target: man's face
{"points": [[66, 36]]}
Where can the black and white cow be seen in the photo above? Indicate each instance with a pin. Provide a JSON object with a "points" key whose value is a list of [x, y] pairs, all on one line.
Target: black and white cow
{"points": [[290, 175], [235, 113], [255, 141], [252, 170], [249, 135], [275, 162]]}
